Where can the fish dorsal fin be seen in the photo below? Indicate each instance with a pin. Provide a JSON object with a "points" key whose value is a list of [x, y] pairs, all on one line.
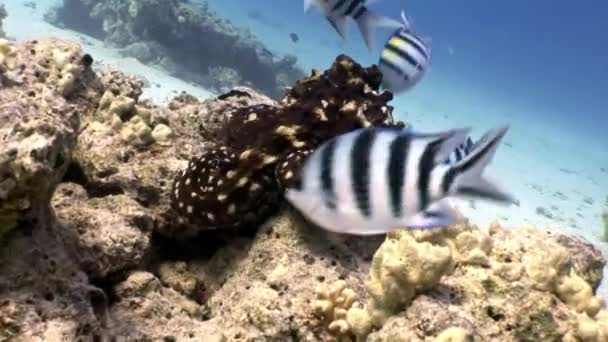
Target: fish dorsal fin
{"points": [[308, 4], [406, 21], [339, 24], [446, 142]]}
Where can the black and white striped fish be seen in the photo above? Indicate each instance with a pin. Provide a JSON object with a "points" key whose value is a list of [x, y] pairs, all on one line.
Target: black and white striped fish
{"points": [[404, 59], [460, 152], [373, 180], [337, 13]]}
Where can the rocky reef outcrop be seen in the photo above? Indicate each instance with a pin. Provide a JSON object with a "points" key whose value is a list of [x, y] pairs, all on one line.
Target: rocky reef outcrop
{"points": [[185, 37], [87, 249]]}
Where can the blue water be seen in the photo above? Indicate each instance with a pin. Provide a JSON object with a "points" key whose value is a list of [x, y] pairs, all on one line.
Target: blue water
{"points": [[543, 58]]}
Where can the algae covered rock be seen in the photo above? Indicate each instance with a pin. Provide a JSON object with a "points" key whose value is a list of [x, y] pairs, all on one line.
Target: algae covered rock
{"points": [[107, 234], [38, 130]]}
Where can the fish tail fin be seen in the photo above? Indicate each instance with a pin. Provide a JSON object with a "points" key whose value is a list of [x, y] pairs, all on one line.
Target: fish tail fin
{"points": [[368, 22], [465, 177]]}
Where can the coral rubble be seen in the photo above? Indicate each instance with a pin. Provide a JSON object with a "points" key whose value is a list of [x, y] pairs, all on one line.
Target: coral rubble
{"points": [[86, 171], [185, 37], [260, 147]]}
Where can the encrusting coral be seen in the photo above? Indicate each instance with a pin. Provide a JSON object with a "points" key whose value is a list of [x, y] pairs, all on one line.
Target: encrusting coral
{"points": [[7, 56], [260, 148], [505, 294]]}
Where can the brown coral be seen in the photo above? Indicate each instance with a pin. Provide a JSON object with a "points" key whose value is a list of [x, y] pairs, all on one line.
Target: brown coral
{"points": [[268, 143]]}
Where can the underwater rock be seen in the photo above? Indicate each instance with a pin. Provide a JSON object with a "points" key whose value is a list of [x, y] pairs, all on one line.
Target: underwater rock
{"points": [[106, 235], [223, 79], [261, 147], [38, 131], [263, 288], [146, 310], [173, 29], [44, 296]]}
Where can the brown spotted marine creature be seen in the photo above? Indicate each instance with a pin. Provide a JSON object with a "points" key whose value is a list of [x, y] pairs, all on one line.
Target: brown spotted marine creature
{"points": [[373, 180]]}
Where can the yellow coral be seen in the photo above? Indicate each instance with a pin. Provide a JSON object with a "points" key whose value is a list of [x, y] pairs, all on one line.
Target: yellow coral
{"points": [[544, 264], [8, 55], [454, 334], [400, 268], [589, 330], [136, 132], [577, 293], [65, 72], [338, 305]]}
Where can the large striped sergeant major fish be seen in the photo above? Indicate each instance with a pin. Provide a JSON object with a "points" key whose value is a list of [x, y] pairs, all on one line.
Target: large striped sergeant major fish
{"points": [[404, 59], [337, 13], [373, 180]]}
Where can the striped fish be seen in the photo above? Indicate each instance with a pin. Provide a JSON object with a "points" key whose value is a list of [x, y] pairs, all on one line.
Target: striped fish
{"points": [[460, 152], [404, 59], [337, 13], [373, 180]]}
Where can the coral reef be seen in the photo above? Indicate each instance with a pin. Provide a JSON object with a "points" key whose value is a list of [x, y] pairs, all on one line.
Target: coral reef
{"points": [[237, 183], [422, 285], [605, 220], [3, 15], [169, 33], [85, 186]]}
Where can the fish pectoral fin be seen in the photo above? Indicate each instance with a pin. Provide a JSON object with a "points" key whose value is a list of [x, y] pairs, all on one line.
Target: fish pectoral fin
{"points": [[440, 215], [339, 24]]}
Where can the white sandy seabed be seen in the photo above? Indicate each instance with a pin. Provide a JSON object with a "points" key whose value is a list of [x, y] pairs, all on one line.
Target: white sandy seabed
{"points": [[535, 170]]}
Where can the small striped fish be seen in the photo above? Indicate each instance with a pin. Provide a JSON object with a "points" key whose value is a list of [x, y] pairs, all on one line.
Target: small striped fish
{"points": [[373, 180], [338, 11], [404, 59]]}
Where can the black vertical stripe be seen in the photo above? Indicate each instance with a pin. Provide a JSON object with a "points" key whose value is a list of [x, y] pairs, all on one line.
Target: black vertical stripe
{"points": [[399, 149], [425, 166], [327, 180], [360, 156], [415, 42], [458, 154], [338, 5], [449, 176], [394, 67], [403, 54], [360, 12], [352, 7]]}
